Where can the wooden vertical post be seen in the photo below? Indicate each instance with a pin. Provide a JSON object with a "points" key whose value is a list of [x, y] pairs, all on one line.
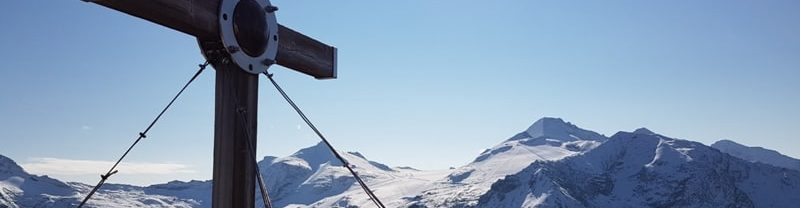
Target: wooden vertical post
{"points": [[234, 168]]}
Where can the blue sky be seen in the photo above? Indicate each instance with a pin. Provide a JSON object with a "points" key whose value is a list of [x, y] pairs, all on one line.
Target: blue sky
{"points": [[426, 84]]}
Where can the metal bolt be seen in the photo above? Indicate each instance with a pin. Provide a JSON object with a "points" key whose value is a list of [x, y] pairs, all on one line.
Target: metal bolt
{"points": [[270, 9], [233, 49], [268, 62]]}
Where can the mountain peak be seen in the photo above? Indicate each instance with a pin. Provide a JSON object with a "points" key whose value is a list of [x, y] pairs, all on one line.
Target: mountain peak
{"points": [[316, 155], [9, 166], [317, 149], [547, 126], [725, 142], [557, 128], [643, 131]]}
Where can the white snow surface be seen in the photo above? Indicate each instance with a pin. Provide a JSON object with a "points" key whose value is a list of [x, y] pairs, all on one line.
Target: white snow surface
{"points": [[647, 170], [20, 189], [552, 163], [311, 177], [547, 139]]}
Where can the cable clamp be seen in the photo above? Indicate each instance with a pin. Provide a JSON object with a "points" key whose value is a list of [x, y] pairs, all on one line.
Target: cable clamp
{"points": [[104, 177]]}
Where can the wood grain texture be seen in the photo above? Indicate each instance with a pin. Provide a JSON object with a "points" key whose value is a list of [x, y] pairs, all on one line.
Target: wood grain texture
{"points": [[234, 168], [306, 55], [194, 17], [199, 18]]}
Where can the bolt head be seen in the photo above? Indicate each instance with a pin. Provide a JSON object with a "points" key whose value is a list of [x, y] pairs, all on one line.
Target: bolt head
{"points": [[233, 49], [270, 9], [268, 62]]}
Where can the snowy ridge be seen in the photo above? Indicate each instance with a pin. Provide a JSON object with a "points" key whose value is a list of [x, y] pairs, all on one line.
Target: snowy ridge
{"points": [[647, 170], [552, 163], [547, 139], [20, 189], [312, 177], [757, 154], [313, 174]]}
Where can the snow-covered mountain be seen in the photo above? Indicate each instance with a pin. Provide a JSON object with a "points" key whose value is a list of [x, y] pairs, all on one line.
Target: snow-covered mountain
{"points": [[643, 169], [552, 163], [20, 189], [38, 190], [546, 140], [757, 154], [311, 177]]}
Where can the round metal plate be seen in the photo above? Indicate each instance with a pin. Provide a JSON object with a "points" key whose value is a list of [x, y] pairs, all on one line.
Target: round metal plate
{"points": [[249, 63]]}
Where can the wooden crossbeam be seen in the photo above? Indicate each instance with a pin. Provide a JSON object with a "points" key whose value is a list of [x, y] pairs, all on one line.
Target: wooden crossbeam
{"points": [[198, 18]]}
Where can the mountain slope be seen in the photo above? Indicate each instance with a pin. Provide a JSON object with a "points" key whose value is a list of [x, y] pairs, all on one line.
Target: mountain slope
{"points": [[547, 139], [313, 177], [644, 169], [757, 154], [20, 189], [552, 163]]}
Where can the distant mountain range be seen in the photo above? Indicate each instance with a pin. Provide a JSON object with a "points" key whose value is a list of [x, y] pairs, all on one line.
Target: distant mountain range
{"points": [[757, 154], [552, 163], [644, 169]]}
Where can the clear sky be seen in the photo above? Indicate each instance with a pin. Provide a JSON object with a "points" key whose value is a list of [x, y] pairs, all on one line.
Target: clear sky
{"points": [[426, 84]]}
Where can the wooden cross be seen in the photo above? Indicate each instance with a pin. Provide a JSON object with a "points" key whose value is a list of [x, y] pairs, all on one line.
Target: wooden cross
{"points": [[241, 39]]}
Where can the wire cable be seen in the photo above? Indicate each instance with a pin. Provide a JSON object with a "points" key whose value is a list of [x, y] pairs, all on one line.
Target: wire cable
{"points": [[261, 184], [142, 135], [251, 149], [363, 185]]}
